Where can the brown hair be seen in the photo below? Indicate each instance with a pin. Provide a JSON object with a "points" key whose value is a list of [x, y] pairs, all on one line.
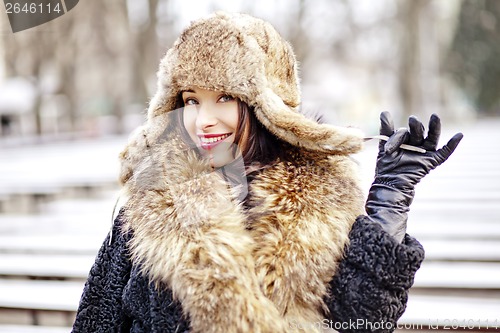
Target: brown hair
{"points": [[259, 147]]}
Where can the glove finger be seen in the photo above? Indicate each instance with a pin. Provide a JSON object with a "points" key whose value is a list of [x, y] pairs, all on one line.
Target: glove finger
{"points": [[386, 124], [432, 139], [448, 149], [396, 140], [416, 132], [386, 128]]}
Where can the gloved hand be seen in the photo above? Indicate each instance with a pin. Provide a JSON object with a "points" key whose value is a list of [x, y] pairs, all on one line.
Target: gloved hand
{"points": [[399, 170]]}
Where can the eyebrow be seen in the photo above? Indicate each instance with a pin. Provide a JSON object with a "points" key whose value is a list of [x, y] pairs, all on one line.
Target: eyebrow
{"points": [[189, 91]]}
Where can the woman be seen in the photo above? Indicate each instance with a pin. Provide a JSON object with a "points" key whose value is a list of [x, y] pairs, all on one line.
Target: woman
{"points": [[242, 215]]}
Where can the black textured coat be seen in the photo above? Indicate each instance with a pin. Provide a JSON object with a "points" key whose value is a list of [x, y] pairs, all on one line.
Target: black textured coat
{"points": [[372, 284]]}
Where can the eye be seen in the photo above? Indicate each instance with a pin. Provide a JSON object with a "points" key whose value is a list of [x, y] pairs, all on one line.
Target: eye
{"points": [[190, 101], [226, 98]]}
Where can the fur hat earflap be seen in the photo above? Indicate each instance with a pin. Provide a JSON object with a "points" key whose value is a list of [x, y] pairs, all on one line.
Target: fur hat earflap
{"points": [[248, 59]]}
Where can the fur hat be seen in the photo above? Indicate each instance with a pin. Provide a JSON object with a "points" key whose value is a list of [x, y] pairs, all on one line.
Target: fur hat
{"points": [[246, 58]]}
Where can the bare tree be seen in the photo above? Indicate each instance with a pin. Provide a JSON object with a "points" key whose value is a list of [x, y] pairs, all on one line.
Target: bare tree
{"points": [[472, 58], [410, 80], [99, 63]]}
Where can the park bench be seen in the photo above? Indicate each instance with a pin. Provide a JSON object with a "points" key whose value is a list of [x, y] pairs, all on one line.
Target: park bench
{"points": [[43, 301], [46, 287], [446, 294], [44, 261], [35, 174]]}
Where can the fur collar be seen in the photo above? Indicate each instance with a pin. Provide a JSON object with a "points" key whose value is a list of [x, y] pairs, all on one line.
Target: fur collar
{"points": [[257, 268]]}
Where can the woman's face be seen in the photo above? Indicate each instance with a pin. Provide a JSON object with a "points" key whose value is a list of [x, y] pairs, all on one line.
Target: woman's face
{"points": [[211, 119]]}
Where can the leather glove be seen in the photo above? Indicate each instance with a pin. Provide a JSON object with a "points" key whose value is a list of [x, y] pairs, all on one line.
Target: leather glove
{"points": [[399, 170]]}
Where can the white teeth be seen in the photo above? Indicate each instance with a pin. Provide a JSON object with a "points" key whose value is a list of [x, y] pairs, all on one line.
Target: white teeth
{"points": [[215, 139]]}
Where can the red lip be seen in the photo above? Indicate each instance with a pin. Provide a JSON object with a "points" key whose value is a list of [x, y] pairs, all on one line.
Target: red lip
{"points": [[211, 145], [208, 136]]}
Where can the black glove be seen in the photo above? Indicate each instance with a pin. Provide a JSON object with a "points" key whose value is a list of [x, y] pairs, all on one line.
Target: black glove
{"points": [[399, 170]]}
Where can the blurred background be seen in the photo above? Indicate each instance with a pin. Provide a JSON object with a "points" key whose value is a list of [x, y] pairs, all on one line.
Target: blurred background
{"points": [[72, 89]]}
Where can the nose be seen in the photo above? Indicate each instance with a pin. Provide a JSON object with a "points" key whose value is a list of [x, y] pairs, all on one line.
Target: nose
{"points": [[205, 117]]}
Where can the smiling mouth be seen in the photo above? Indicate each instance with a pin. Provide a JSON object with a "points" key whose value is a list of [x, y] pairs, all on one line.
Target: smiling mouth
{"points": [[208, 141]]}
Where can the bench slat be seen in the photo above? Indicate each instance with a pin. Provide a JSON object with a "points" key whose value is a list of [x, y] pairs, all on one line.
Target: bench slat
{"points": [[435, 228], [33, 329], [444, 310], [461, 250], [458, 275], [36, 244], [55, 223], [47, 266], [40, 295]]}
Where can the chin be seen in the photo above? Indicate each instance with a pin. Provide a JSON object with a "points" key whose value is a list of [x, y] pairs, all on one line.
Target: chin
{"points": [[220, 161], [220, 156]]}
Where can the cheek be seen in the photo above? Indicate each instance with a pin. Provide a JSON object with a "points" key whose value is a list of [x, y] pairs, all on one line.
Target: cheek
{"points": [[189, 119], [231, 116]]}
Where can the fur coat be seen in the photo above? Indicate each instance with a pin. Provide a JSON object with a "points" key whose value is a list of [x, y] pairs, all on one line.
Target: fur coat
{"points": [[288, 259], [297, 254]]}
